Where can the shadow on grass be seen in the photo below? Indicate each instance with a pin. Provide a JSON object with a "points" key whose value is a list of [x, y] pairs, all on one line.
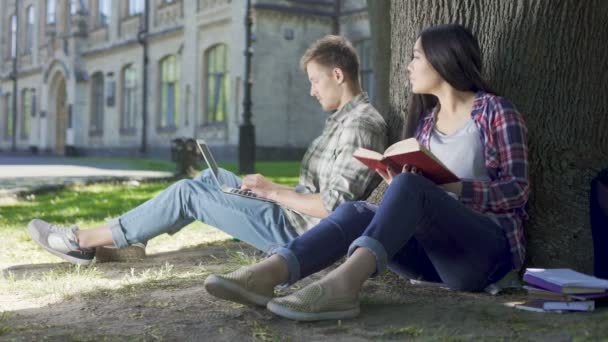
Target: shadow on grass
{"points": [[172, 304]]}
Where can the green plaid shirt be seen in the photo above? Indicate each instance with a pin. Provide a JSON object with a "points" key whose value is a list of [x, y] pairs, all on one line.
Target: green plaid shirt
{"points": [[328, 167]]}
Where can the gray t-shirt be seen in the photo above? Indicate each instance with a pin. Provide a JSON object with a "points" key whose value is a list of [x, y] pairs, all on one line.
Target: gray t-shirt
{"points": [[461, 151]]}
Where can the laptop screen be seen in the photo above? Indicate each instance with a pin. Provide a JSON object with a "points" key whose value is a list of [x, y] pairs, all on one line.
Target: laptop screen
{"points": [[206, 152]]}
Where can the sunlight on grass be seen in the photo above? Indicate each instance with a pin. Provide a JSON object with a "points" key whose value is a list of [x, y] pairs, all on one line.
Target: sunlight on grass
{"points": [[38, 278]]}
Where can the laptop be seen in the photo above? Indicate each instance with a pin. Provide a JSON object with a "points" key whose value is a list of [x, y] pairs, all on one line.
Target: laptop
{"points": [[215, 173]]}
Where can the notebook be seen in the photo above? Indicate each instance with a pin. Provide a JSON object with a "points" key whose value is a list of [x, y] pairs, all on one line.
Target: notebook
{"points": [[215, 173]]}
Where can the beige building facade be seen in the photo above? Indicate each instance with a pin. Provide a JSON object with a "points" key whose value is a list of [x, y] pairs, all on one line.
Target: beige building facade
{"points": [[81, 83]]}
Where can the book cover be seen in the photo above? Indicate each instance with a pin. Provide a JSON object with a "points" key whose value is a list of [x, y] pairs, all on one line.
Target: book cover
{"points": [[534, 305], [587, 305], [408, 152], [541, 305], [565, 280]]}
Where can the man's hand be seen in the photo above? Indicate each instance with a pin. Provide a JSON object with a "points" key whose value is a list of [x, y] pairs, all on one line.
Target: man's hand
{"points": [[389, 174], [259, 185]]}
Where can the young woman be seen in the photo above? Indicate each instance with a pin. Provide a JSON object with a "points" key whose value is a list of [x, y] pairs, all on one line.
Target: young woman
{"points": [[467, 234]]}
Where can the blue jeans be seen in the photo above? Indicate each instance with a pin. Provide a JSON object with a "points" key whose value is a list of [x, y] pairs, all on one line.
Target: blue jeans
{"points": [[259, 223], [418, 230]]}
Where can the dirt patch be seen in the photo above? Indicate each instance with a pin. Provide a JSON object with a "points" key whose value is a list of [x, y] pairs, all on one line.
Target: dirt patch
{"points": [[174, 306]]}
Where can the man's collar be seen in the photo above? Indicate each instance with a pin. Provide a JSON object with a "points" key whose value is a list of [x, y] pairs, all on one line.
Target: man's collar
{"points": [[340, 114]]}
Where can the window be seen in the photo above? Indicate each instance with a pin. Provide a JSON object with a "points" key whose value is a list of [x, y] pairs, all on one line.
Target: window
{"points": [[104, 9], [13, 37], [136, 7], [8, 116], [367, 74], [27, 111], [97, 106], [29, 29], [217, 84], [129, 101], [169, 105], [73, 7], [50, 11]]}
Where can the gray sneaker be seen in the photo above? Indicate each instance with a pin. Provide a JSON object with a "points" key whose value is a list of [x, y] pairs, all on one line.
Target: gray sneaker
{"points": [[239, 286], [315, 303], [60, 241]]}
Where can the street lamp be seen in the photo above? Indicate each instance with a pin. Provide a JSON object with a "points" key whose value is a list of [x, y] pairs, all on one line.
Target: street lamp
{"points": [[246, 129]]}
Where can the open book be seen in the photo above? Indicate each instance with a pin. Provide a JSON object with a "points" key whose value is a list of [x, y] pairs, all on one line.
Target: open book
{"points": [[410, 152]]}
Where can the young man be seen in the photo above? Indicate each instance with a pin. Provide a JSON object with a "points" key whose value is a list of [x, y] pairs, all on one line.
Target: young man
{"points": [[329, 176]]}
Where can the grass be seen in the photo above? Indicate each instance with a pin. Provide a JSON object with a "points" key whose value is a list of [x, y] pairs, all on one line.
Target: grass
{"points": [[91, 205]]}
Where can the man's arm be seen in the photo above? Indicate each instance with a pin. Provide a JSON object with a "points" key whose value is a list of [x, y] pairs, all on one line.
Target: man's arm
{"points": [[309, 204]]}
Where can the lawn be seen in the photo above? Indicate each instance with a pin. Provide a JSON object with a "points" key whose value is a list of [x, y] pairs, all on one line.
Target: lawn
{"points": [[162, 298], [90, 205]]}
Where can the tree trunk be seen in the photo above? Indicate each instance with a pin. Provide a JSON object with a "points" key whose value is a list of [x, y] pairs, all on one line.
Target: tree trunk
{"points": [[381, 38], [549, 59]]}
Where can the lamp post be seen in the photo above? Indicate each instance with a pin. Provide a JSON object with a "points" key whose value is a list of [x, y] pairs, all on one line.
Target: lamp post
{"points": [[15, 76], [142, 38], [246, 129]]}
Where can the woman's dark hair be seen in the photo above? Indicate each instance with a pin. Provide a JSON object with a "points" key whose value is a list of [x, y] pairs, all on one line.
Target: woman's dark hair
{"points": [[454, 53]]}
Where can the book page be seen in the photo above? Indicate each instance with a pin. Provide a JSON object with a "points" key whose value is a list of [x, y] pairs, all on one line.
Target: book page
{"points": [[369, 154], [403, 146]]}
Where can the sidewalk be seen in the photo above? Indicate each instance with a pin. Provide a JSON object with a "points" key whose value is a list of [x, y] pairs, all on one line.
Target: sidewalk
{"points": [[20, 175]]}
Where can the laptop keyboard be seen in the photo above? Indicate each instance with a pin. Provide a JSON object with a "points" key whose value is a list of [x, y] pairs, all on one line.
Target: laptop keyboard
{"points": [[247, 193]]}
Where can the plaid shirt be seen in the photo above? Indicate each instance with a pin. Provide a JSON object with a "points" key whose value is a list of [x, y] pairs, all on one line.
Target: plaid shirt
{"points": [[328, 167], [504, 197]]}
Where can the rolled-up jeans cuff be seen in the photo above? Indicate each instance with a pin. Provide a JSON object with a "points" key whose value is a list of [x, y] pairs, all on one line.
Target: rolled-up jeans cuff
{"points": [[293, 265], [118, 236], [373, 246]]}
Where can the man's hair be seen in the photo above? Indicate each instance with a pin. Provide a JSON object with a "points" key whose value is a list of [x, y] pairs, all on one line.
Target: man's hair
{"points": [[333, 52]]}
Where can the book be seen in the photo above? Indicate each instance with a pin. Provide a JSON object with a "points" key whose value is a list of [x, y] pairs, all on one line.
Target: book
{"points": [[586, 305], [565, 280], [410, 152], [534, 305], [540, 305], [539, 293]]}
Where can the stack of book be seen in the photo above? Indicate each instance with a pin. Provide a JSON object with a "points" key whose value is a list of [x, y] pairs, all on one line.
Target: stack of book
{"points": [[562, 289]]}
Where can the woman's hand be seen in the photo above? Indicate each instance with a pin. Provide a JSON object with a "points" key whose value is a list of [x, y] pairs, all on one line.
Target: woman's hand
{"points": [[389, 174]]}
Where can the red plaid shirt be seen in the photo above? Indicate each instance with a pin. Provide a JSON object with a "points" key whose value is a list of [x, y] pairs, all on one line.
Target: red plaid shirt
{"points": [[503, 198]]}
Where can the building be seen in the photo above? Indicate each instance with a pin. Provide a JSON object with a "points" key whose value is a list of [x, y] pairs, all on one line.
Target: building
{"points": [[82, 88]]}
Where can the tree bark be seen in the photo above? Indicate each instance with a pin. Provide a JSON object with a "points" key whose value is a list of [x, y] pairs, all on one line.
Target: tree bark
{"points": [[381, 38], [549, 59]]}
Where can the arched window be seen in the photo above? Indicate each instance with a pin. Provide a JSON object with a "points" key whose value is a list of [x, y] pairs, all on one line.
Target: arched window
{"points": [[97, 104], [29, 29], [129, 99], [217, 84], [367, 73], [170, 70]]}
